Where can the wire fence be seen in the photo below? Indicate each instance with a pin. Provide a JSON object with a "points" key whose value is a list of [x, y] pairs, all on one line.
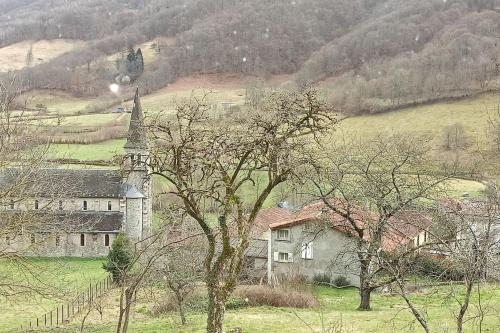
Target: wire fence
{"points": [[64, 312]]}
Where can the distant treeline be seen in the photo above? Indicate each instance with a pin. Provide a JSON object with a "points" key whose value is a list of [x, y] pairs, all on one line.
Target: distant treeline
{"points": [[378, 54]]}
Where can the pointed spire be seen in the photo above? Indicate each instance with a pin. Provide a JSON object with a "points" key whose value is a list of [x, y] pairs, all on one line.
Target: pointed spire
{"points": [[136, 138]]}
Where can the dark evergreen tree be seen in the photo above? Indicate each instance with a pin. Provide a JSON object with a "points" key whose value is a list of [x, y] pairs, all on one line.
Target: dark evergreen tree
{"points": [[140, 61], [119, 258]]}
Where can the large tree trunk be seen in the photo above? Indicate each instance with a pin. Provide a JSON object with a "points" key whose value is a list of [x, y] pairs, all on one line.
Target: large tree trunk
{"points": [[216, 308], [364, 285], [364, 293]]}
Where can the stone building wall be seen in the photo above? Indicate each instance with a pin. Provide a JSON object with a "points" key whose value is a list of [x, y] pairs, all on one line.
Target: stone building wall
{"points": [[59, 244], [333, 253]]}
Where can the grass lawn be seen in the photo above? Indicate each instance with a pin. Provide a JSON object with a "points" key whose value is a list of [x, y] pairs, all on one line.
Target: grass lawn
{"points": [[60, 279], [89, 152], [337, 308]]}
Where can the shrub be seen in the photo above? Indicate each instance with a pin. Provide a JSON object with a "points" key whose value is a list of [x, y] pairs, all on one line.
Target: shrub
{"points": [[118, 260], [195, 301], [322, 279], [341, 281], [264, 295], [436, 268]]}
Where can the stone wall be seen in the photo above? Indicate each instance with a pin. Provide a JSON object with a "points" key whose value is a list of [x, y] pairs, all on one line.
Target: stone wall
{"points": [[59, 244]]}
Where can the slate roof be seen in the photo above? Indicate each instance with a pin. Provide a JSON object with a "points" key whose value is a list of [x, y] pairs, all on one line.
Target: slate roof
{"points": [[74, 221], [136, 138], [68, 183]]}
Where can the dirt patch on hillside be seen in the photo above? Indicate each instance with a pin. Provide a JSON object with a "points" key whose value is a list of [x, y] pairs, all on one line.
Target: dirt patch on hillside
{"points": [[220, 81]]}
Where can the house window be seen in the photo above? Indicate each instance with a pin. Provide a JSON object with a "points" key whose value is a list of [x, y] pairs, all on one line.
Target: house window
{"points": [[36, 204], [58, 240], [106, 240], [85, 206], [60, 205], [82, 239], [283, 256], [32, 239], [11, 205], [109, 205], [307, 250], [283, 234]]}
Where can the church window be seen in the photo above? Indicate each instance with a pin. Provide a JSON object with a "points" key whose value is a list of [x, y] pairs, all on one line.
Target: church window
{"points": [[109, 205], [85, 205], [36, 204], [33, 239], [7, 240], [60, 205], [11, 205], [106, 240], [58, 240], [82, 239]]}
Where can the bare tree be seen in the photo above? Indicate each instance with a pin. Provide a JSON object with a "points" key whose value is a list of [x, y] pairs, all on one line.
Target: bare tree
{"points": [[21, 155], [209, 164], [369, 184], [182, 269], [145, 257], [455, 137], [494, 122], [467, 235]]}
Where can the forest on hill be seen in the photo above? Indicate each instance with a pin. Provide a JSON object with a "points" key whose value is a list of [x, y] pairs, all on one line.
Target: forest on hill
{"points": [[374, 54]]}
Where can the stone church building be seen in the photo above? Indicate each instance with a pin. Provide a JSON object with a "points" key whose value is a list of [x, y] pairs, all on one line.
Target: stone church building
{"points": [[78, 212]]}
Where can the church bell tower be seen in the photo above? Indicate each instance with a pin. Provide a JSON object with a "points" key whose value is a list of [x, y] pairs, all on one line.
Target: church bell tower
{"points": [[137, 179]]}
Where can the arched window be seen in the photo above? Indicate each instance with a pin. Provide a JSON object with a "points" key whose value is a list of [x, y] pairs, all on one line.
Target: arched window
{"points": [[85, 206], [60, 205], [11, 205], [109, 205], [58, 240], [36, 204], [82, 239], [106, 240], [33, 239]]}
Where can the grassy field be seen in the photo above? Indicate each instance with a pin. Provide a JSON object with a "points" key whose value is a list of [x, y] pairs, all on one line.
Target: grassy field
{"points": [[59, 279], [88, 152], [337, 309], [13, 57], [432, 120]]}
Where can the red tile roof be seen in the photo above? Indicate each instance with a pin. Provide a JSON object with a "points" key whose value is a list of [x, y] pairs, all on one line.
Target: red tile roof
{"points": [[400, 229]]}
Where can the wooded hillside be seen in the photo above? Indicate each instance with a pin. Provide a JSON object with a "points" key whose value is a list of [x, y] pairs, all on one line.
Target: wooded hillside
{"points": [[376, 54]]}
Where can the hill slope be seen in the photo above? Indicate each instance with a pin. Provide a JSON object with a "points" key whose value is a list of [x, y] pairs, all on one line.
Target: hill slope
{"points": [[379, 54]]}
